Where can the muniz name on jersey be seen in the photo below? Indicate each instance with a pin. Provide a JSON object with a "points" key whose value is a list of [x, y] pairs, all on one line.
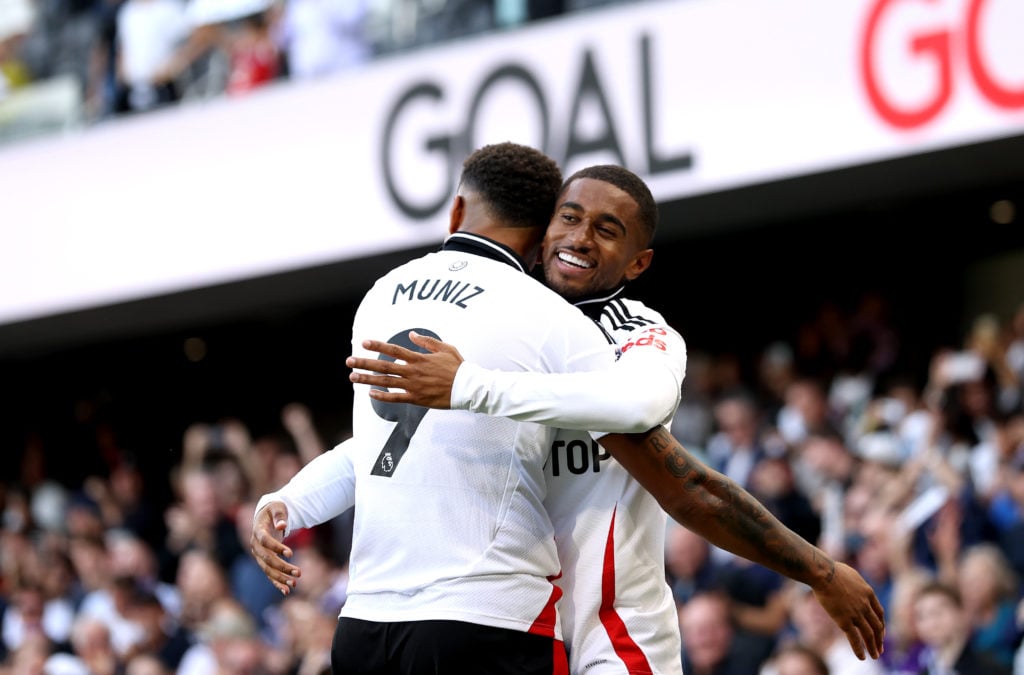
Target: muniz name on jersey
{"points": [[454, 292]]}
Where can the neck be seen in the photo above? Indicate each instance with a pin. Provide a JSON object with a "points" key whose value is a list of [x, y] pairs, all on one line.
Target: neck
{"points": [[522, 240], [948, 653]]}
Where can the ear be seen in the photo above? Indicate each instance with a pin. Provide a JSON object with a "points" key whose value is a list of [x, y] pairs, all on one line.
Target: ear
{"points": [[640, 263], [457, 213]]}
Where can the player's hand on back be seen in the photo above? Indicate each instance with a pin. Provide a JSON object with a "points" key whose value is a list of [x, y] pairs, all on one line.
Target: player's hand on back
{"points": [[267, 547], [425, 378]]}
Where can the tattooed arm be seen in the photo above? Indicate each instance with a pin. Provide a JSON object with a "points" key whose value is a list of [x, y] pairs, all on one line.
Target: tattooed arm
{"points": [[729, 517]]}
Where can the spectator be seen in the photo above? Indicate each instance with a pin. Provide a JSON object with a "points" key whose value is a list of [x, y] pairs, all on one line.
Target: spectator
{"points": [[31, 655], [737, 446], [1015, 346], [92, 645], [253, 57], [688, 563], [944, 628], [694, 420], [131, 557], [163, 636], [306, 634], [148, 32], [122, 505], [814, 630], [202, 583], [89, 561], [707, 638], [229, 644], [988, 591], [16, 19], [904, 649], [198, 520], [757, 606], [795, 659], [776, 371], [772, 482], [109, 606], [1006, 510], [320, 37], [26, 617], [806, 411], [145, 664]]}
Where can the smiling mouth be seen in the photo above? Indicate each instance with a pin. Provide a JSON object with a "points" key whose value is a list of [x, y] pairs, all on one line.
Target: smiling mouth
{"points": [[574, 261]]}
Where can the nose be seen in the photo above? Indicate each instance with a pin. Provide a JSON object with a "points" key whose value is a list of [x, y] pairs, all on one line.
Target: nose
{"points": [[581, 237]]}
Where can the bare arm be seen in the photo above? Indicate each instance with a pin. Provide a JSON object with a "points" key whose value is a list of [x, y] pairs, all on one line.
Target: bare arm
{"points": [[299, 422], [725, 514]]}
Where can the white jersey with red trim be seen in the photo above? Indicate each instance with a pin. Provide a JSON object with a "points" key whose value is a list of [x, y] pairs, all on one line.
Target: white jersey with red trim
{"points": [[449, 521], [618, 613]]}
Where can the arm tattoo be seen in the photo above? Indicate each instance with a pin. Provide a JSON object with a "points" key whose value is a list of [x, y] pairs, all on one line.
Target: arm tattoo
{"points": [[728, 508]]}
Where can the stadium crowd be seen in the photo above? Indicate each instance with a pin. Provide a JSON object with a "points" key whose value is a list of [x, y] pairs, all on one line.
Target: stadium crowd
{"points": [[64, 64], [917, 480]]}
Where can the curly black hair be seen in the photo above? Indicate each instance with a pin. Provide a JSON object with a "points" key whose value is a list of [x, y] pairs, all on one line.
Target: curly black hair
{"points": [[628, 182], [519, 183]]}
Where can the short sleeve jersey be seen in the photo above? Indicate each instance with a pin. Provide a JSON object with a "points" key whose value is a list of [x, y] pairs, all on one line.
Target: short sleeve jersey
{"points": [[449, 520], [618, 612]]}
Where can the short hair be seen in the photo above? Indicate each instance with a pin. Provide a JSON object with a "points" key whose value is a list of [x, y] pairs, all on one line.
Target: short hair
{"points": [[518, 183], [631, 184], [1002, 573], [936, 587], [816, 661]]}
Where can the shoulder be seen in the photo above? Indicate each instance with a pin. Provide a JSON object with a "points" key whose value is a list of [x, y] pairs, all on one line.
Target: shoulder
{"points": [[626, 314], [628, 320]]}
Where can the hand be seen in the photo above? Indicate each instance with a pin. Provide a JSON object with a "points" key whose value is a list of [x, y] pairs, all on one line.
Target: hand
{"points": [[944, 538], [195, 443], [235, 437], [297, 419], [265, 544], [852, 604], [427, 378]]}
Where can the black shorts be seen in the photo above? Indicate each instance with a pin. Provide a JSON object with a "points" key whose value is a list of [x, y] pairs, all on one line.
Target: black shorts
{"points": [[442, 648]]}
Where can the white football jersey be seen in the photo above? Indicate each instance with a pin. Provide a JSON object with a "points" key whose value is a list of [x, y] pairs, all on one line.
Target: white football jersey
{"points": [[618, 613], [449, 520]]}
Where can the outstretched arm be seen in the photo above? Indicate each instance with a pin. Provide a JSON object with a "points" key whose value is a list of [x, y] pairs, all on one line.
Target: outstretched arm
{"points": [[321, 490], [637, 392], [729, 517]]}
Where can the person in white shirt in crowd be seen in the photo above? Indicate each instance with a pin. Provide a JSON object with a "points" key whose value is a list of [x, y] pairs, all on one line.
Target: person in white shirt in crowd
{"points": [[148, 33], [320, 37]]}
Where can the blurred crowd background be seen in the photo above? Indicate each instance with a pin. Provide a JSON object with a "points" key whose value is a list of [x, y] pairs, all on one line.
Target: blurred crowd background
{"points": [[65, 64], [127, 499], [914, 478]]}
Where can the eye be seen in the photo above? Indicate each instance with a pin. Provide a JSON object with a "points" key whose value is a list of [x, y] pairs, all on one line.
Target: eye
{"points": [[608, 232], [568, 218]]}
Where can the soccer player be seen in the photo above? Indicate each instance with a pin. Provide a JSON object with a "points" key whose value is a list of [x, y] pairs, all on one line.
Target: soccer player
{"points": [[453, 554], [618, 611]]}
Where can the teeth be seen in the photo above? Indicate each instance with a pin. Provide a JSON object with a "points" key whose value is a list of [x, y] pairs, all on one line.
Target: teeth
{"points": [[573, 260]]}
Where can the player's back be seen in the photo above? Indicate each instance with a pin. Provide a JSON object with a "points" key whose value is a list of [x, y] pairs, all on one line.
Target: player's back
{"points": [[449, 519]]}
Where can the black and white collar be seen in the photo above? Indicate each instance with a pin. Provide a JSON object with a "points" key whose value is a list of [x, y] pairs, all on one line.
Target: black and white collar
{"points": [[466, 242], [593, 306]]}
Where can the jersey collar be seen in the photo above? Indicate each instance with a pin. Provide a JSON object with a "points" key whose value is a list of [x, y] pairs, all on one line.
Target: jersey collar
{"points": [[593, 305], [466, 242]]}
